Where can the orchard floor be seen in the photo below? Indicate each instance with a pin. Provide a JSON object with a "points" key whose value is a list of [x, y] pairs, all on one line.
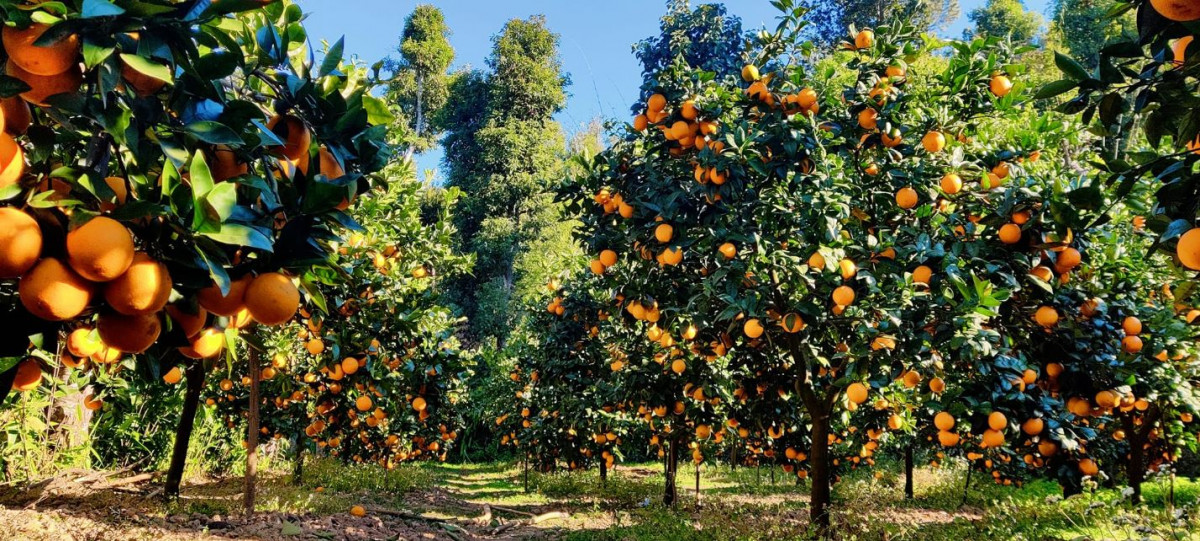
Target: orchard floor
{"points": [[452, 501]]}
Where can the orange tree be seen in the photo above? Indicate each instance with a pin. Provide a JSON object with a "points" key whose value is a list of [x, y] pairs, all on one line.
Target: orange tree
{"points": [[155, 152], [1142, 100], [371, 373], [844, 222]]}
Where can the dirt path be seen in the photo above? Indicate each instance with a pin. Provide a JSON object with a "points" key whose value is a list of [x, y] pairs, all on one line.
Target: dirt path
{"points": [[64, 509]]}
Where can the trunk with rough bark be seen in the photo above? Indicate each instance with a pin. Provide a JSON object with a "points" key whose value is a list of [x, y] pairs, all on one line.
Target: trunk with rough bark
{"points": [[819, 455], [603, 471], [194, 374], [252, 436], [670, 495], [908, 472], [298, 466]]}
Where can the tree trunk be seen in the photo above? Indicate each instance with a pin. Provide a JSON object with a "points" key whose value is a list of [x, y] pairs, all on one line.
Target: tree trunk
{"points": [[252, 436], [670, 496], [819, 454], [526, 472], [298, 467], [908, 472], [697, 484], [183, 431], [967, 485], [603, 471], [1135, 468]]}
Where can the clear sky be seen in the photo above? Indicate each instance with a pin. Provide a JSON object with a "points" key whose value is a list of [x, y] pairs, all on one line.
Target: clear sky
{"points": [[596, 39]]}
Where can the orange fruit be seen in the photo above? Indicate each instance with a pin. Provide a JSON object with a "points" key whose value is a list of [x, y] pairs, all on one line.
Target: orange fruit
{"points": [[993, 438], [100, 250], [54, 292], [211, 299], [728, 250], [189, 323], [1188, 249], [419, 404], [1033, 426], [1010, 233], [296, 137], [678, 366], [864, 39], [664, 232], [749, 73], [1131, 344], [143, 289], [1046, 316], [28, 377], [206, 344], [1000, 85], [142, 84], [997, 421], [1175, 10], [17, 115], [80, 343], [608, 258], [272, 299], [792, 323], [92, 403], [933, 141], [224, 164], [753, 328], [868, 119], [843, 296], [363, 403], [1132, 326], [42, 87], [1179, 49], [20, 242], [640, 123], [937, 385], [922, 274], [848, 268], [173, 376], [350, 365], [943, 421], [129, 334], [1088, 466], [906, 197], [856, 392], [358, 511], [48, 60], [12, 161], [329, 164], [816, 261], [951, 183]]}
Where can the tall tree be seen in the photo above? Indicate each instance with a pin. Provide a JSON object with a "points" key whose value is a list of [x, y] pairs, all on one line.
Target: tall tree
{"points": [[1083, 28], [830, 18], [421, 84], [706, 38], [503, 149], [1006, 18]]}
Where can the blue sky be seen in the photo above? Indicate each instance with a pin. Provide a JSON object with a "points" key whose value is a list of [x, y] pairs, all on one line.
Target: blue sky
{"points": [[595, 39]]}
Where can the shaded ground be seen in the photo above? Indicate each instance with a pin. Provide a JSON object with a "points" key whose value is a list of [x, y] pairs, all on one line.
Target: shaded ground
{"points": [[489, 502]]}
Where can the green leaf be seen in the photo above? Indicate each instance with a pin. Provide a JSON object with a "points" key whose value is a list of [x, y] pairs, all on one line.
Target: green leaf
{"points": [[94, 55], [289, 529], [213, 133], [241, 235], [202, 183], [333, 58], [11, 86], [1055, 88], [221, 200], [1070, 68], [377, 111], [99, 8], [145, 67]]}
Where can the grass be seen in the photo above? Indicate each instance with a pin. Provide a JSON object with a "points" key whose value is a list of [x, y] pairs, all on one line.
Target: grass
{"points": [[734, 504]]}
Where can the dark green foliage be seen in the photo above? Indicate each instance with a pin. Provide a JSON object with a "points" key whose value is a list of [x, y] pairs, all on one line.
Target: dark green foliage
{"points": [[420, 87], [707, 38]]}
